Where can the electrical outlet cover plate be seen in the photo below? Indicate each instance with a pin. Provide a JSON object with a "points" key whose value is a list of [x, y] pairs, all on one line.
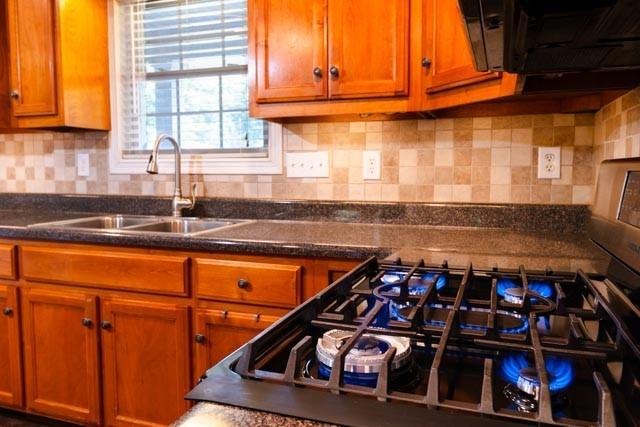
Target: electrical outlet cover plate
{"points": [[549, 163], [371, 165], [82, 164], [310, 164]]}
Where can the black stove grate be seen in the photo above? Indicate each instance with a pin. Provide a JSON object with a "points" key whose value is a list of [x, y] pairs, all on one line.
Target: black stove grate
{"points": [[358, 301]]}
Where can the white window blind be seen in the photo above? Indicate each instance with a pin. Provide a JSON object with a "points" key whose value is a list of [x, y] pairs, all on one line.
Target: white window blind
{"points": [[183, 72]]}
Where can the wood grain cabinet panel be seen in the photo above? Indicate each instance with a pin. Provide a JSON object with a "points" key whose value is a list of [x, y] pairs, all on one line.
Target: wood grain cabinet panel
{"points": [[218, 333], [10, 359], [61, 355], [31, 25], [8, 262], [145, 362], [161, 274], [368, 48], [290, 51], [252, 282]]}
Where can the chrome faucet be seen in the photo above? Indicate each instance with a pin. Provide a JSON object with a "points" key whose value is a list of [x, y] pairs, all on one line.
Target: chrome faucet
{"points": [[179, 202]]}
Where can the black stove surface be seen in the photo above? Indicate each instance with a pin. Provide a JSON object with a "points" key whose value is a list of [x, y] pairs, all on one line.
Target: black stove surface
{"points": [[396, 344]]}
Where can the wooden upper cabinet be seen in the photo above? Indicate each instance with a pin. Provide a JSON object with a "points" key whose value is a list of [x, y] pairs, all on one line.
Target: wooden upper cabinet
{"points": [[145, 360], [450, 77], [10, 361], [368, 48], [61, 355], [290, 50], [58, 64], [31, 28]]}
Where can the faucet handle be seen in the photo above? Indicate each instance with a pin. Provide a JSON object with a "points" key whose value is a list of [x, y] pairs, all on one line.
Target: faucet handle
{"points": [[194, 188]]}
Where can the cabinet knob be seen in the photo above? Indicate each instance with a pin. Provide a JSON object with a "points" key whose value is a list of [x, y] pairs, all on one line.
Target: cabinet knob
{"points": [[199, 338], [334, 71], [317, 72], [86, 322], [105, 324], [7, 311], [426, 62], [14, 94], [243, 284]]}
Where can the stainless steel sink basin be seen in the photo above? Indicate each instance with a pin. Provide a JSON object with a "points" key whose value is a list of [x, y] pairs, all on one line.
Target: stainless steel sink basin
{"points": [[128, 224], [104, 222], [184, 225]]}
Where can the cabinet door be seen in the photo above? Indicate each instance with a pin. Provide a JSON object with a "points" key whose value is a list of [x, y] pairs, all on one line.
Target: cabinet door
{"points": [[10, 362], [447, 48], [145, 362], [218, 333], [368, 48], [32, 56], [290, 50], [61, 355]]}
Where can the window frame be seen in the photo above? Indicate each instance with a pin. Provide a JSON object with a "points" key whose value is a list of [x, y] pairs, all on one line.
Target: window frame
{"points": [[208, 164]]}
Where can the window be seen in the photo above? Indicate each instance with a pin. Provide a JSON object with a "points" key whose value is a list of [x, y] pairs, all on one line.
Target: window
{"points": [[180, 67]]}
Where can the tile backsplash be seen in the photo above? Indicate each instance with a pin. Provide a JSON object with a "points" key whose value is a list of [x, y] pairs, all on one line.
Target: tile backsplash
{"points": [[482, 160]]}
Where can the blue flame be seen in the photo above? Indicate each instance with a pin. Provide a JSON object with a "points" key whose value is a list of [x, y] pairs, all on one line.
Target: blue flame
{"points": [[541, 287], [560, 370], [353, 378]]}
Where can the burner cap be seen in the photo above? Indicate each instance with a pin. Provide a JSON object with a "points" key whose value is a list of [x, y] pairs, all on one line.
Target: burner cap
{"points": [[514, 295], [367, 355], [518, 370], [529, 381]]}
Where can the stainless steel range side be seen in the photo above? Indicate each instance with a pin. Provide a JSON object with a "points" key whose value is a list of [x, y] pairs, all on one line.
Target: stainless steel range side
{"points": [[398, 344]]}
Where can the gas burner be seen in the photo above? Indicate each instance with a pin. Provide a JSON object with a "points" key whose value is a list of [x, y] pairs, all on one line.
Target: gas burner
{"points": [[523, 379], [417, 285], [513, 291], [363, 362]]}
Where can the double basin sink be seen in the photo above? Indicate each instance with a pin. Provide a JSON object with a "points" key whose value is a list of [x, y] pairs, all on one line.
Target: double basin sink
{"points": [[143, 224]]}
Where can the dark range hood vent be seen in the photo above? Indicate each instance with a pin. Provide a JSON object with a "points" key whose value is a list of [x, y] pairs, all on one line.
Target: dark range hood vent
{"points": [[551, 36]]}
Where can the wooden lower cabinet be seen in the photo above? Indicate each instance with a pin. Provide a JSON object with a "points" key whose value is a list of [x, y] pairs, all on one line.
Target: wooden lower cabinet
{"points": [[145, 362], [219, 332], [10, 361], [62, 370]]}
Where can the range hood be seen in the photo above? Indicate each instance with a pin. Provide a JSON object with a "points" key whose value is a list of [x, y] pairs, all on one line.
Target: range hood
{"points": [[553, 36]]}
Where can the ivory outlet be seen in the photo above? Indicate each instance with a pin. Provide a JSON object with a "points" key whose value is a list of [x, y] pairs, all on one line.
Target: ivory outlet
{"points": [[312, 164], [548, 162], [371, 165], [82, 164]]}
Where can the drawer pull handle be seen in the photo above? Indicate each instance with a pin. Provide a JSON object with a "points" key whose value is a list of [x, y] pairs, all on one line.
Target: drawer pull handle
{"points": [[334, 71], [105, 324], [257, 317], [243, 284], [86, 322], [317, 72], [8, 311], [224, 313], [200, 338]]}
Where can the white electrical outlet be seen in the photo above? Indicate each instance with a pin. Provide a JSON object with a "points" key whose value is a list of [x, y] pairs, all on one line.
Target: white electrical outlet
{"points": [[548, 162], [82, 163], [312, 164], [371, 165]]}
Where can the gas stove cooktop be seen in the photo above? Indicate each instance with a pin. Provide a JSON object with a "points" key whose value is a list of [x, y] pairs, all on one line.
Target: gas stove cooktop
{"points": [[392, 343], [397, 344]]}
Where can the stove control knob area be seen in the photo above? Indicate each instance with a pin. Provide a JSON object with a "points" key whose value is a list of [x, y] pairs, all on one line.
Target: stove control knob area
{"points": [[243, 284], [200, 338]]}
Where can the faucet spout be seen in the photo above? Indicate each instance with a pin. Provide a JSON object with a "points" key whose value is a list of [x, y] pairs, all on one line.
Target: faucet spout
{"points": [[179, 202]]}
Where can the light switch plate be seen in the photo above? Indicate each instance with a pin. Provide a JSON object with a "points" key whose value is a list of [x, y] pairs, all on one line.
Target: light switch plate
{"points": [[549, 162], [82, 164], [311, 164], [371, 165]]}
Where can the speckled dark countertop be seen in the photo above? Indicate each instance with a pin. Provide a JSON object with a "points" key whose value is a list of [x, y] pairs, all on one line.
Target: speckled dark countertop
{"points": [[486, 235]]}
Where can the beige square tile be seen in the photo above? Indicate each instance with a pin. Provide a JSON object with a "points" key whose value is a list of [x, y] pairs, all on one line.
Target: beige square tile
{"points": [[443, 157], [520, 194], [444, 124], [407, 193], [442, 193], [582, 194], [521, 156], [480, 193], [461, 193], [462, 175], [372, 191], [482, 122], [481, 138], [390, 192], [444, 139], [501, 138], [443, 175], [500, 156], [426, 125], [480, 175], [481, 156], [522, 136], [408, 157], [357, 127], [563, 120], [408, 175], [500, 175], [373, 126], [583, 135], [462, 156], [500, 193]]}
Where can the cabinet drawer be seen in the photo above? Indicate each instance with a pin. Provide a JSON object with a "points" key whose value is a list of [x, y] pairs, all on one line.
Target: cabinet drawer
{"points": [[252, 282], [8, 262], [158, 274]]}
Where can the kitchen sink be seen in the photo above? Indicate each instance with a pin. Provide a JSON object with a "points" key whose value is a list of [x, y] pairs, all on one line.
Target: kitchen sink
{"points": [[184, 225], [128, 224], [104, 222]]}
